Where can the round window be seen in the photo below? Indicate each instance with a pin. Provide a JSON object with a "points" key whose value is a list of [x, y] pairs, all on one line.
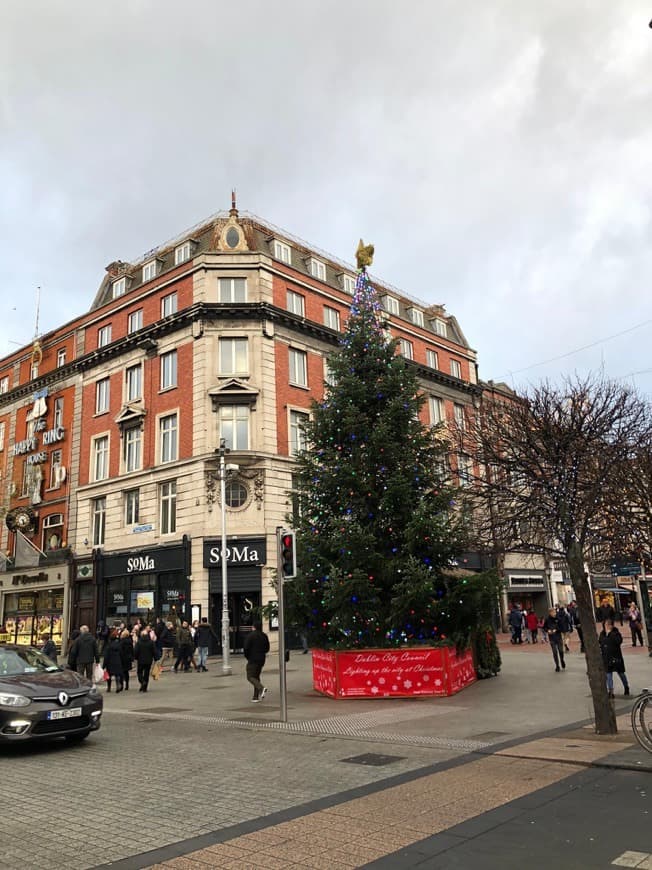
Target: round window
{"points": [[232, 237], [235, 493]]}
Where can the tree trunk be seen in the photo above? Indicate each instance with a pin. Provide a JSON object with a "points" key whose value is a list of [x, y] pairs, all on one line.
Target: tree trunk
{"points": [[605, 716]]}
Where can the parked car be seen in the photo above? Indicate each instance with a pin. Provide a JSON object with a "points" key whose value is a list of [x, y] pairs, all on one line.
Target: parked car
{"points": [[39, 700]]}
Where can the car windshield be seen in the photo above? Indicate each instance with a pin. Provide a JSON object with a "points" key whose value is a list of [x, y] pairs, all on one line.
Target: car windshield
{"points": [[15, 662]]}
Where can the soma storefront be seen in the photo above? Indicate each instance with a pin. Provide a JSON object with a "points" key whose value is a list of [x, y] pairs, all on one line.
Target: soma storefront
{"points": [[146, 583]]}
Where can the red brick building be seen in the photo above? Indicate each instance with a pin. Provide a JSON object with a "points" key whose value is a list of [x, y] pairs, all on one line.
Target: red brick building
{"points": [[222, 333]]}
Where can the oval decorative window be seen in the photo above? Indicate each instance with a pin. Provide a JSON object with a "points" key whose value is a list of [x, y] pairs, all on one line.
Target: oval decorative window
{"points": [[235, 494], [232, 237]]}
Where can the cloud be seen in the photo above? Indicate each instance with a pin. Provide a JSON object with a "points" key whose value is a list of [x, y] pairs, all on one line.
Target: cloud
{"points": [[496, 154]]}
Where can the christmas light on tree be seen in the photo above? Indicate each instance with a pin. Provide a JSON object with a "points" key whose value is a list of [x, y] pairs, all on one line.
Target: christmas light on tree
{"points": [[378, 523]]}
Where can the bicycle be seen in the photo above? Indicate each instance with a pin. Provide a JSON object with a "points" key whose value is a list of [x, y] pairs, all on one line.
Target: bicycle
{"points": [[642, 719]]}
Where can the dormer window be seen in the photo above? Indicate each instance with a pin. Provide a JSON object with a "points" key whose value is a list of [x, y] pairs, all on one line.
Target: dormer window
{"points": [[348, 283], [281, 251], [119, 287], [390, 304], [150, 270], [416, 316], [182, 253], [440, 327], [317, 269]]}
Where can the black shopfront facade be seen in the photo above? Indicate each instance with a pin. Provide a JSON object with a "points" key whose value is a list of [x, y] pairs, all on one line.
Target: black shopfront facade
{"points": [[245, 560], [146, 583]]}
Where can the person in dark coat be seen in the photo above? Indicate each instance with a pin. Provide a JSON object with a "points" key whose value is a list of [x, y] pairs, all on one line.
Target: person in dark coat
{"points": [[256, 647], [605, 611], [84, 653], [49, 647], [566, 626], [552, 629], [144, 653], [113, 661], [516, 623], [71, 664], [203, 636], [127, 656], [184, 641], [612, 655]]}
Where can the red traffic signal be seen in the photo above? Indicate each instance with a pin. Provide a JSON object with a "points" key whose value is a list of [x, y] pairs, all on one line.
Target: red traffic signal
{"points": [[288, 554]]}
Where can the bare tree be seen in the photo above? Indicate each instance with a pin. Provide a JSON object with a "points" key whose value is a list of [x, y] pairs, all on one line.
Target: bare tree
{"points": [[550, 479]]}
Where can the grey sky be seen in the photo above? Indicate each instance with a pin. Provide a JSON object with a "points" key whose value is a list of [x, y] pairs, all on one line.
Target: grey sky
{"points": [[496, 153]]}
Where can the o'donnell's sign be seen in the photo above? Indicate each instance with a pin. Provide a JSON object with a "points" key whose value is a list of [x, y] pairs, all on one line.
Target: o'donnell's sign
{"points": [[239, 551]]}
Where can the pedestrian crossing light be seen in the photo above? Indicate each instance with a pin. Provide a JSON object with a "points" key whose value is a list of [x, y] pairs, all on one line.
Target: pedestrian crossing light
{"points": [[288, 554]]}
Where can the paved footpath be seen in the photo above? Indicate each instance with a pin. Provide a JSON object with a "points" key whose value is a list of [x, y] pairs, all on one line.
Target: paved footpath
{"points": [[192, 774]]}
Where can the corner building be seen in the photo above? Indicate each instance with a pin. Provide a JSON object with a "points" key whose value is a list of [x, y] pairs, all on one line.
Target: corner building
{"points": [[222, 333]]}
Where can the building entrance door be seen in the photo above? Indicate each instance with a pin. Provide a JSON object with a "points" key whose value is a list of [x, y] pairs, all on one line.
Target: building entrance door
{"points": [[243, 611]]}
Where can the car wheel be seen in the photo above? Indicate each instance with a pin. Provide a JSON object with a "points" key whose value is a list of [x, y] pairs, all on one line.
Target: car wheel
{"points": [[76, 738]]}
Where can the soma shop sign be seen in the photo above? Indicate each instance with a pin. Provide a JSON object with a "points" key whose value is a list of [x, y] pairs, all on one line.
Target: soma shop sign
{"points": [[252, 551], [145, 561], [386, 673]]}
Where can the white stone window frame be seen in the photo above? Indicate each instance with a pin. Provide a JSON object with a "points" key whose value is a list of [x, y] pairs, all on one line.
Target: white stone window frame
{"points": [[391, 304], [135, 321], [298, 367], [150, 270], [119, 287], [168, 438], [432, 359], [168, 495], [317, 269], [61, 357], [282, 251], [100, 456], [4, 384], [440, 326], [102, 395], [134, 383], [459, 415], [296, 303], [233, 342], [182, 253], [98, 521], [104, 335], [132, 448], [169, 304], [406, 348], [58, 411], [437, 410], [169, 370], [331, 318], [56, 458], [228, 291], [231, 414], [132, 506], [416, 316], [456, 369], [296, 438]]}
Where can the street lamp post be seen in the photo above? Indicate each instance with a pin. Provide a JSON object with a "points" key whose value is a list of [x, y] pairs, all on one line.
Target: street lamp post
{"points": [[221, 451]]}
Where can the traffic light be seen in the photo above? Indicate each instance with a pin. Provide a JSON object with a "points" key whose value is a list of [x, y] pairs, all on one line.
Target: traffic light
{"points": [[288, 554]]}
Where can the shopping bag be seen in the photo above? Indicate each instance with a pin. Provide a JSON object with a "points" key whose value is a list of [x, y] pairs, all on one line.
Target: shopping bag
{"points": [[106, 675], [98, 674], [156, 670]]}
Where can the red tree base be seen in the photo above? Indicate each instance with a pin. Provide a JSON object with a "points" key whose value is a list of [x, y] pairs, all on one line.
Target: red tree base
{"points": [[384, 673]]}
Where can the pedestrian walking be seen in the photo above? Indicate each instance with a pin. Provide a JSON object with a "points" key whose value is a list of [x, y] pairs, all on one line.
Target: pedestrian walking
{"points": [[533, 626], [553, 630], [184, 641], [256, 647], [203, 636], [605, 611], [84, 653], [516, 623], [635, 623], [127, 656], [574, 613], [144, 654], [525, 631], [49, 647], [113, 661], [565, 625], [612, 655]]}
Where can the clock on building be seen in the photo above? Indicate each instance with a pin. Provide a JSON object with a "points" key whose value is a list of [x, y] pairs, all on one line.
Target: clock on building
{"points": [[21, 518]]}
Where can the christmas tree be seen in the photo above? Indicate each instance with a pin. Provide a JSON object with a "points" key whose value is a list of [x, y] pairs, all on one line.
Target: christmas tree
{"points": [[379, 524]]}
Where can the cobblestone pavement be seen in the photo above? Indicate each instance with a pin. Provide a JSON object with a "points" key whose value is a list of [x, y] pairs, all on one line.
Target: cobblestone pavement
{"points": [[193, 757]]}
